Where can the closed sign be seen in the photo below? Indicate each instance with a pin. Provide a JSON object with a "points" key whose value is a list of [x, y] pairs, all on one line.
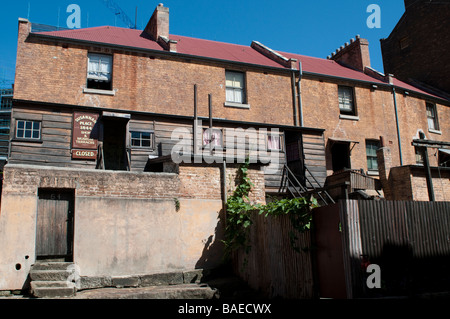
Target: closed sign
{"points": [[84, 154]]}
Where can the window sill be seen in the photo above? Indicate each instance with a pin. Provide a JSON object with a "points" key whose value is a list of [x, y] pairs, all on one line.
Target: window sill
{"points": [[349, 117], [102, 92], [373, 173], [434, 131], [237, 105], [27, 140]]}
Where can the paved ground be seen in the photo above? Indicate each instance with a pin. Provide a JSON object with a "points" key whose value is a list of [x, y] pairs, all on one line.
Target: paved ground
{"points": [[219, 288]]}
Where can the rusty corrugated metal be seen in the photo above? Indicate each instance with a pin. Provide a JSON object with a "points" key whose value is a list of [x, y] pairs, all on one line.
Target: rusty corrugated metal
{"points": [[413, 234], [272, 266]]}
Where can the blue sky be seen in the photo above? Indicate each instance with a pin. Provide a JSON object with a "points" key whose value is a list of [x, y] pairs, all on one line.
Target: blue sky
{"points": [[315, 28]]}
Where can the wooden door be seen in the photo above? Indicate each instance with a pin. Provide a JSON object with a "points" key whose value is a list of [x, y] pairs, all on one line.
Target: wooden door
{"points": [[54, 231]]}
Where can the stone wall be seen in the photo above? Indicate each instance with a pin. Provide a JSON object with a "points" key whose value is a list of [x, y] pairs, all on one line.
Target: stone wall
{"points": [[126, 223]]}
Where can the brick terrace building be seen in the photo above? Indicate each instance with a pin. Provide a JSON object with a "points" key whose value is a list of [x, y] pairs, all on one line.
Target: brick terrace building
{"points": [[415, 50], [94, 116]]}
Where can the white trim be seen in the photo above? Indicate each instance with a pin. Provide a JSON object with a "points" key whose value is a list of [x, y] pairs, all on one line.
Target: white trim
{"points": [[349, 117], [102, 92], [373, 173], [237, 105], [434, 131]]}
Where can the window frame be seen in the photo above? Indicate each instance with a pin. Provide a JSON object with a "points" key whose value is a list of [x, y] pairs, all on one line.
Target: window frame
{"points": [[151, 139], [280, 138], [24, 138], [242, 89], [434, 118], [214, 145], [372, 142], [344, 111], [94, 89], [418, 156]]}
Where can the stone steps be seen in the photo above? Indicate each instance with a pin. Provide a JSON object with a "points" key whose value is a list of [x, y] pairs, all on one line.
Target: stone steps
{"points": [[52, 279]]}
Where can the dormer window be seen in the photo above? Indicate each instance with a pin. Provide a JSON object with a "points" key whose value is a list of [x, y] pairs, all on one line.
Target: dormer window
{"points": [[99, 74]]}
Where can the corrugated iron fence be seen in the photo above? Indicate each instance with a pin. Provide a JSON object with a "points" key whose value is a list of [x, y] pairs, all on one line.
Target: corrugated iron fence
{"points": [[410, 241], [272, 266]]}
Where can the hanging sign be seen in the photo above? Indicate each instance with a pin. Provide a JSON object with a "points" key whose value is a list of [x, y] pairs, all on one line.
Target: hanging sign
{"points": [[84, 135], [85, 131]]}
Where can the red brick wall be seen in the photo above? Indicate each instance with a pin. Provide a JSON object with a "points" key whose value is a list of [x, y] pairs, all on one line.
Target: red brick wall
{"points": [[376, 117], [48, 72], [425, 26]]}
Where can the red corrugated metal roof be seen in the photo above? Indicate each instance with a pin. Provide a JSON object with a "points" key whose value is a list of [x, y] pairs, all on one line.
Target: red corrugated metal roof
{"points": [[217, 50]]}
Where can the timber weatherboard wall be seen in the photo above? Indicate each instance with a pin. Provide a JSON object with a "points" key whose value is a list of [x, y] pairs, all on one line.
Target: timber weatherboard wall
{"points": [[54, 148]]}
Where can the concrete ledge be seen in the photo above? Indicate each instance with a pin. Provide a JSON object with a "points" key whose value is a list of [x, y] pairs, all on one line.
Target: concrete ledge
{"points": [[95, 282], [175, 278], [126, 281], [146, 280]]}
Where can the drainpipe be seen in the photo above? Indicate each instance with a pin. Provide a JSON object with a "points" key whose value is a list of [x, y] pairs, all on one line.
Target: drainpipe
{"points": [[294, 97], [300, 106], [195, 151], [398, 127]]}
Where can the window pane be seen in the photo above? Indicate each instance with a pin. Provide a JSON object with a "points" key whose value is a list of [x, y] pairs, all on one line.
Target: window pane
{"points": [[135, 142], [431, 124], [345, 98], [20, 124], [206, 138], [135, 135], [372, 164], [238, 96], [235, 85], [234, 79], [217, 137], [145, 135], [273, 142], [28, 125], [36, 134], [99, 67], [146, 143], [230, 95], [19, 133], [27, 134]]}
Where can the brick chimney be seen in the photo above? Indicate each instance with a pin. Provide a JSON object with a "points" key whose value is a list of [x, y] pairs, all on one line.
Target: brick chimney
{"points": [[158, 28], [159, 23], [354, 55]]}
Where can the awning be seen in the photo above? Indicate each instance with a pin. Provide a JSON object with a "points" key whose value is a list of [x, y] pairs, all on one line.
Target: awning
{"points": [[341, 140], [116, 115]]}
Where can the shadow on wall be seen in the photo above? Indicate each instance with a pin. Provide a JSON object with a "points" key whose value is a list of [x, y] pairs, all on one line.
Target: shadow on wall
{"points": [[404, 274], [213, 252]]}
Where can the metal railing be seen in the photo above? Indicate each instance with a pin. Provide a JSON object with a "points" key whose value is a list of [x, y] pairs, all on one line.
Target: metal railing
{"points": [[290, 184]]}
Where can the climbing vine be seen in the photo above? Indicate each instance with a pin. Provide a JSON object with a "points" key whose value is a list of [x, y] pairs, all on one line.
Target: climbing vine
{"points": [[239, 211]]}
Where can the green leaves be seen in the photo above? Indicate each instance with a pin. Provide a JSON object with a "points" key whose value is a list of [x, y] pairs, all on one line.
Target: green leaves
{"points": [[239, 211]]}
